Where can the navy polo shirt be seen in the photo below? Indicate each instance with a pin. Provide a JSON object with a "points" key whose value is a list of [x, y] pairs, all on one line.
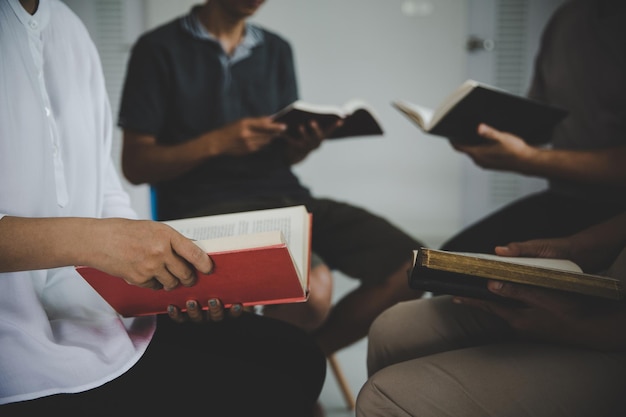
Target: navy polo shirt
{"points": [[181, 84]]}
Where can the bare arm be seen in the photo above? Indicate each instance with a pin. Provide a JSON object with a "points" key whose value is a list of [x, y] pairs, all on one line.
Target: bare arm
{"points": [[510, 153], [144, 253], [561, 317], [593, 249], [146, 161]]}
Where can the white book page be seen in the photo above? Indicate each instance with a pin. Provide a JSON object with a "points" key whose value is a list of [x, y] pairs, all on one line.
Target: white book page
{"points": [[356, 104], [229, 243], [559, 264], [292, 222], [420, 114], [317, 108]]}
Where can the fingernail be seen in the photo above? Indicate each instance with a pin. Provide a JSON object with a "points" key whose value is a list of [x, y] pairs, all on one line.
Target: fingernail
{"points": [[212, 302], [191, 305], [236, 308], [171, 309], [497, 285]]}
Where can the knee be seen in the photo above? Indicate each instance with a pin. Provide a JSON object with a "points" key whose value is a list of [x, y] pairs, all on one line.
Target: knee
{"points": [[378, 339], [397, 285], [373, 401]]}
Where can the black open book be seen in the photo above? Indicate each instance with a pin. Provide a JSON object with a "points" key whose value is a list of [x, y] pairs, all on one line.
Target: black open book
{"points": [[358, 118], [458, 117]]}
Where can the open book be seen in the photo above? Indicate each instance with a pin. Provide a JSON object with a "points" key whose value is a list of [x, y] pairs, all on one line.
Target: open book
{"points": [[459, 115], [358, 117], [259, 257], [466, 274]]}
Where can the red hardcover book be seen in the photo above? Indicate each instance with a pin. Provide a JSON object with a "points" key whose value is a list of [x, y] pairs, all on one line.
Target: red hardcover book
{"points": [[259, 257]]}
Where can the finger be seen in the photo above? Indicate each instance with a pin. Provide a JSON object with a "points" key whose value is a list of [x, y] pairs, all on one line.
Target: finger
{"points": [[216, 310], [194, 312], [182, 271], [488, 132], [321, 134], [543, 298], [267, 126], [152, 283], [175, 314], [491, 307], [236, 311], [167, 280], [192, 253]]}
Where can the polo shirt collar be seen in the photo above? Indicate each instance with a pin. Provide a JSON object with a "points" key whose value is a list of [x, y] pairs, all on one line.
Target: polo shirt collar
{"points": [[253, 35]]}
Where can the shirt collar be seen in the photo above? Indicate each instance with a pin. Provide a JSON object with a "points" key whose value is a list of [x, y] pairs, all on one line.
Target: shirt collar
{"points": [[253, 35], [36, 22]]}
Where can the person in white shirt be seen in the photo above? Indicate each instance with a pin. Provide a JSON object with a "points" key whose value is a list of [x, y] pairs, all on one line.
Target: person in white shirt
{"points": [[63, 348]]}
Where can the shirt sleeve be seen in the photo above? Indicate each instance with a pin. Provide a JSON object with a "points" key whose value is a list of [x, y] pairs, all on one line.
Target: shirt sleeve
{"points": [[288, 73], [142, 107]]}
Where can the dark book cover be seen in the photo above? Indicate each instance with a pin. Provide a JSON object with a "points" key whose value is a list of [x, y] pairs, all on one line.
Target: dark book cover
{"points": [[529, 119]]}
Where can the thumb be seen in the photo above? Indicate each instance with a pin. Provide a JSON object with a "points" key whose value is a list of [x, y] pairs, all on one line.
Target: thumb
{"points": [[532, 248]]}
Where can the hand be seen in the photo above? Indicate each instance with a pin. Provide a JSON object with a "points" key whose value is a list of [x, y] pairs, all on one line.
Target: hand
{"points": [[574, 248], [309, 138], [246, 136], [503, 152], [560, 248], [195, 314], [558, 317], [146, 253]]}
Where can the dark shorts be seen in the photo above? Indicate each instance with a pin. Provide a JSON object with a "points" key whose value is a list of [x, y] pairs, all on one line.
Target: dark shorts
{"points": [[346, 238]]}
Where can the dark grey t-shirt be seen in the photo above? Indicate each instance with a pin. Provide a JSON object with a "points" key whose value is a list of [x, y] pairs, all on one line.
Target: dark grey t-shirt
{"points": [[180, 85], [582, 67]]}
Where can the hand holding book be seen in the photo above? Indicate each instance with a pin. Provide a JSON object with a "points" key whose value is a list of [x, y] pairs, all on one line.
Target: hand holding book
{"points": [[472, 103], [259, 257], [358, 118], [466, 274]]}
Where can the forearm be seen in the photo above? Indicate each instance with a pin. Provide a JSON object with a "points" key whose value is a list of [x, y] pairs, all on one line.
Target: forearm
{"points": [[41, 243], [145, 161], [606, 166], [599, 245]]}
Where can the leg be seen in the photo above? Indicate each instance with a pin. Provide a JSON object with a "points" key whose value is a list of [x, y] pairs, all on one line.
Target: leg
{"points": [[432, 358], [248, 366], [425, 327], [350, 318], [513, 380], [311, 314], [367, 247]]}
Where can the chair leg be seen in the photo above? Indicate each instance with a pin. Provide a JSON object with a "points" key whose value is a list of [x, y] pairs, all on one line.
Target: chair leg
{"points": [[342, 382]]}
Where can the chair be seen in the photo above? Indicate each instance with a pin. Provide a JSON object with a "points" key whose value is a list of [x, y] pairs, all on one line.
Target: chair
{"points": [[344, 386]]}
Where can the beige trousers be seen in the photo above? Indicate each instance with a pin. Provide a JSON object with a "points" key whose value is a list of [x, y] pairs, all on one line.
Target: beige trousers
{"points": [[431, 357]]}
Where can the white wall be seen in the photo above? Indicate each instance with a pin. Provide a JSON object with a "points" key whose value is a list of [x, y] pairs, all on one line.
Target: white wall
{"points": [[370, 49]]}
